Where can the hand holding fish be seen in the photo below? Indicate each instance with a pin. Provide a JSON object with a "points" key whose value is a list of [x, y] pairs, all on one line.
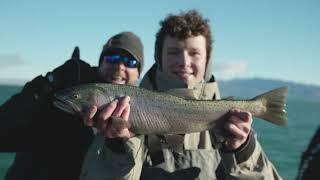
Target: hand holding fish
{"points": [[238, 126], [100, 119]]}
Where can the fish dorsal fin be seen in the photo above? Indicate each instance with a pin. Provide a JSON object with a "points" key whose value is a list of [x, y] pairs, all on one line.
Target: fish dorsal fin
{"points": [[184, 93]]}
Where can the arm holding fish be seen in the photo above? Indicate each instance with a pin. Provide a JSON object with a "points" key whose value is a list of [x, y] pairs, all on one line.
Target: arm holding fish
{"points": [[20, 114], [242, 154], [27, 109], [120, 151]]}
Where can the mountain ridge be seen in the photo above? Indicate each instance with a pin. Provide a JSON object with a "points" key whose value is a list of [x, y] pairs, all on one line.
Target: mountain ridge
{"points": [[248, 88]]}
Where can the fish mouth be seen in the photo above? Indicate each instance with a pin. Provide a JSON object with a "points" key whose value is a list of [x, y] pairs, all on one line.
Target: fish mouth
{"points": [[66, 106]]}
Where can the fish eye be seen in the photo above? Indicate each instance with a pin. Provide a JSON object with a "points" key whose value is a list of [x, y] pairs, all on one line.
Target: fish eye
{"points": [[76, 96]]}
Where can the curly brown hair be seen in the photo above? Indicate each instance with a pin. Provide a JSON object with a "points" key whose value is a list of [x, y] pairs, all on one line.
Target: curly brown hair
{"points": [[183, 26]]}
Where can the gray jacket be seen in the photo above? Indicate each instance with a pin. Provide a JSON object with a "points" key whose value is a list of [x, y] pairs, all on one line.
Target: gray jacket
{"points": [[188, 156]]}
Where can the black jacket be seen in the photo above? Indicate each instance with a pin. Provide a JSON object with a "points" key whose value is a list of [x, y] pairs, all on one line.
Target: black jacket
{"points": [[49, 143], [310, 160]]}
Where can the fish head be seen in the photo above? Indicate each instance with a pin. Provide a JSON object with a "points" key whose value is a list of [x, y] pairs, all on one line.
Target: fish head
{"points": [[79, 99]]}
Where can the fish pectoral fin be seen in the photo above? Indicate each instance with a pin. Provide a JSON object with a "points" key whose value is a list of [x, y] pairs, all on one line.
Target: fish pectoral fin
{"points": [[118, 122], [175, 141], [185, 93]]}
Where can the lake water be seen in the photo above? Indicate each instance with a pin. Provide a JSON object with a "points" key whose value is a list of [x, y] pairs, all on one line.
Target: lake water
{"points": [[283, 145]]}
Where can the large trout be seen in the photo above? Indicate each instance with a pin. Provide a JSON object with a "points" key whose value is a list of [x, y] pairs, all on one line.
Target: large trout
{"points": [[163, 113]]}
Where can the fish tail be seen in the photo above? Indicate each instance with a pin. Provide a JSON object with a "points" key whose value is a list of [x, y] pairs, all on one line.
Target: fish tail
{"points": [[274, 102]]}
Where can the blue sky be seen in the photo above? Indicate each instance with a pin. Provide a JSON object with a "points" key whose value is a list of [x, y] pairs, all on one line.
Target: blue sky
{"points": [[276, 39]]}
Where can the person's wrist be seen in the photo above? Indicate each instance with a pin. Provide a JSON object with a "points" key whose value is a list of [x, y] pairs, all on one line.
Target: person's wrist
{"points": [[244, 151]]}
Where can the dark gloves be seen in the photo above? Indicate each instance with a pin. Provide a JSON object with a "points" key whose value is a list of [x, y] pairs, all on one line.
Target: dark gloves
{"points": [[73, 72], [35, 97], [25, 114], [39, 90]]}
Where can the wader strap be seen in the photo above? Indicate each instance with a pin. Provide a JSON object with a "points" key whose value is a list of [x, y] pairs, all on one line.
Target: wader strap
{"points": [[152, 76]]}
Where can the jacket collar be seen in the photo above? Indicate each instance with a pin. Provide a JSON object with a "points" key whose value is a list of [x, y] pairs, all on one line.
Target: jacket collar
{"points": [[157, 80]]}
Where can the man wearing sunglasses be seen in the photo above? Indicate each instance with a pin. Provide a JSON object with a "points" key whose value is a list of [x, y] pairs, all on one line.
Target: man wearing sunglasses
{"points": [[119, 67], [51, 144]]}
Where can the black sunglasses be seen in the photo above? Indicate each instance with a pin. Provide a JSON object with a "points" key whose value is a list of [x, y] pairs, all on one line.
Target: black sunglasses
{"points": [[116, 58]]}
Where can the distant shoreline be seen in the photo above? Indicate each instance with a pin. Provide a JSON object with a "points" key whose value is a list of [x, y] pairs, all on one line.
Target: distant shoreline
{"points": [[240, 88]]}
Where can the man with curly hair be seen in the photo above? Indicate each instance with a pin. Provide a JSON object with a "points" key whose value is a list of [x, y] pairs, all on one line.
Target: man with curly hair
{"points": [[182, 60]]}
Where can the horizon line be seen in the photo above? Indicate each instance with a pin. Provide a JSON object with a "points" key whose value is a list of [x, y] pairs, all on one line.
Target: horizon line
{"points": [[21, 82]]}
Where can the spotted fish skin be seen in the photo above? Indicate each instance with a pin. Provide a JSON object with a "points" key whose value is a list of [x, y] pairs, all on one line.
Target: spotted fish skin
{"points": [[163, 113]]}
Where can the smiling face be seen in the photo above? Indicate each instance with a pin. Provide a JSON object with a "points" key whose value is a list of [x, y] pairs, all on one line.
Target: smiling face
{"points": [[118, 73], [184, 59]]}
